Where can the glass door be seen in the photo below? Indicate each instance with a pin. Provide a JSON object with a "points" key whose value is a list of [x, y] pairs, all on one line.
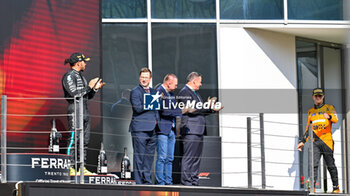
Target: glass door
{"points": [[308, 79], [332, 75], [319, 65]]}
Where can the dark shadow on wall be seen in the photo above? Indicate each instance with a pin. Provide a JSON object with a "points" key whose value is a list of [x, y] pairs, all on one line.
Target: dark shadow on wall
{"points": [[294, 167]]}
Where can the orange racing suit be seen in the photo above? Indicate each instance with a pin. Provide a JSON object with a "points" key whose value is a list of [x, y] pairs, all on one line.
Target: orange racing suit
{"points": [[320, 125], [323, 141]]}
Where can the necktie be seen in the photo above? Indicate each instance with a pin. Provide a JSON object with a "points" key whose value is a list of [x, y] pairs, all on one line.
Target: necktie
{"points": [[199, 98]]}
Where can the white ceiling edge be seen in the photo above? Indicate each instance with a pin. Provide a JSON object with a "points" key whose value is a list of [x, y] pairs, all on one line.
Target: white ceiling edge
{"points": [[335, 33]]}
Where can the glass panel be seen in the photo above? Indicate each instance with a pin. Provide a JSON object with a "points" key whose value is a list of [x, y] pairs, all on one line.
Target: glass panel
{"points": [[333, 95], [251, 9], [184, 48], [315, 9], [124, 53], [307, 80], [124, 9], [195, 9]]}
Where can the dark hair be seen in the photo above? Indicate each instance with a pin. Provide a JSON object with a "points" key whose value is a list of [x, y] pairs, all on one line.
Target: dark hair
{"points": [[192, 76], [69, 61], [145, 69]]}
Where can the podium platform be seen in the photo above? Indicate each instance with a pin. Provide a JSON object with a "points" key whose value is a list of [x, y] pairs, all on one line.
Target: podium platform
{"points": [[48, 174], [59, 189]]}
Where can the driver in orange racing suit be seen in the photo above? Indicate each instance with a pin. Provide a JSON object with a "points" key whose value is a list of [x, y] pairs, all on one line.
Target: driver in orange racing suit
{"points": [[321, 117]]}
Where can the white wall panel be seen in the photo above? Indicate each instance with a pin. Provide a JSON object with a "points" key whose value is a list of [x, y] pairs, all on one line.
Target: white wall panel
{"points": [[259, 61]]}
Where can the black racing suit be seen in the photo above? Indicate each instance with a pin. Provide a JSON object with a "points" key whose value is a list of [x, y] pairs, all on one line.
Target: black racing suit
{"points": [[74, 84]]}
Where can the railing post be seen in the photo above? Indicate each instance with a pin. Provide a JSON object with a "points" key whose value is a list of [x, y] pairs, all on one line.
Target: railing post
{"points": [[75, 132], [3, 139], [249, 150], [312, 179], [81, 138], [262, 148], [285, 11], [324, 176]]}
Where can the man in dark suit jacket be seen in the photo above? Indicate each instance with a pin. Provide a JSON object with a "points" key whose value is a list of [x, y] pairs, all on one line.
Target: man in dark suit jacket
{"points": [[166, 130], [142, 128], [193, 129]]}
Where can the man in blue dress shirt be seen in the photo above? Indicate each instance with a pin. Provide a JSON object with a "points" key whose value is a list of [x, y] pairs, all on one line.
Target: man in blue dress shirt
{"points": [[166, 130]]}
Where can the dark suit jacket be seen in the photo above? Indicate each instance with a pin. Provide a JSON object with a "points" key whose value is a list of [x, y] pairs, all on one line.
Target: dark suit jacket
{"points": [[192, 123], [142, 120], [168, 115]]}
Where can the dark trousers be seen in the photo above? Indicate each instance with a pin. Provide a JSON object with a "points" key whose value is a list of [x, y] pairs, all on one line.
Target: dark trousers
{"points": [[71, 142], [144, 145], [192, 152], [320, 148]]}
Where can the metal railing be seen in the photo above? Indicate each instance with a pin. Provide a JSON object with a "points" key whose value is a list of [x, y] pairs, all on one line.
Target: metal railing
{"points": [[255, 126], [3, 138], [77, 124], [262, 151]]}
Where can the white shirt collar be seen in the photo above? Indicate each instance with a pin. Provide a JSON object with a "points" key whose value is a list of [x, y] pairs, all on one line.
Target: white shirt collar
{"points": [[165, 88], [190, 88], [148, 87]]}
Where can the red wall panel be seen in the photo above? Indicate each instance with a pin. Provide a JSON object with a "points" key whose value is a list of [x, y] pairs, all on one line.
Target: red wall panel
{"points": [[31, 62]]}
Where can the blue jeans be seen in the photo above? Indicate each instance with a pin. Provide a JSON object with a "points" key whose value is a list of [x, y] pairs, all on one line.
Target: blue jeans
{"points": [[165, 157]]}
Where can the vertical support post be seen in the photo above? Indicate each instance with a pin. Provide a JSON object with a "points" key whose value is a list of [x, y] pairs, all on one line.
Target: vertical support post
{"points": [[262, 148], [149, 37], [249, 150], [75, 132], [324, 176], [245, 9], [3, 139], [285, 11], [81, 138], [312, 178]]}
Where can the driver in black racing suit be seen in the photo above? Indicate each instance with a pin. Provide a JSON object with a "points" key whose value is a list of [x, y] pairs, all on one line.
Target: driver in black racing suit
{"points": [[74, 84]]}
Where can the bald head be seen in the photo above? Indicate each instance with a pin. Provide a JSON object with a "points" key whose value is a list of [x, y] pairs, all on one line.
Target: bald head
{"points": [[170, 82]]}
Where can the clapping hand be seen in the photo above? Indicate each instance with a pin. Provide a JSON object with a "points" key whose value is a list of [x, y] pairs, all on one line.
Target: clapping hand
{"points": [[188, 110], [213, 101], [99, 84], [218, 109], [96, 83]]}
